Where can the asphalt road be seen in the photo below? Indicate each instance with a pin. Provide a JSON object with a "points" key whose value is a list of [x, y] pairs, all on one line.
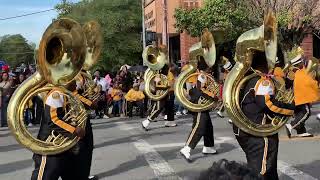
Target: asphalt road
{"points": [[124, 151]]}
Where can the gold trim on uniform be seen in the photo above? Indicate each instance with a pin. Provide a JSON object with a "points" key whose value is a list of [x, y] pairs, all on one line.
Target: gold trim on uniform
{"points": [[264, 160], [194, 129], [42, 167]]}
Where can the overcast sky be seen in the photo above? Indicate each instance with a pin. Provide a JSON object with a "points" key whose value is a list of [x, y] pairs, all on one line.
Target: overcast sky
{"points": [[31, 27]]}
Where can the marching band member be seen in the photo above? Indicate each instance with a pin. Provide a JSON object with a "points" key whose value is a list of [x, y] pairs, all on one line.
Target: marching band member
{"points": [[82, 160], [258, 104], [166, 103], [202, 125], [303, 82], [227, 68], [52, 167]]}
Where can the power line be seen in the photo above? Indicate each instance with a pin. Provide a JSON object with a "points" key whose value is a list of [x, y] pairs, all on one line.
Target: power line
{"points": [[23, 15]]}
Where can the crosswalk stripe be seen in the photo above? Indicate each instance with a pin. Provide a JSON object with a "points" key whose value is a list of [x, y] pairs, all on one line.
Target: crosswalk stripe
{"points": [[292, 172], [161, 168]]}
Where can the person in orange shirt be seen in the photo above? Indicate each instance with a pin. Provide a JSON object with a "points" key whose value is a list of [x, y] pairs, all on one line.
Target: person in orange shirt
{"points": [[116, 95], [303, 82], [135, 97]]}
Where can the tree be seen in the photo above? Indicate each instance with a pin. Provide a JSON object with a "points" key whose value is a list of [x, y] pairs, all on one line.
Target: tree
{"points": [[14, 49], [121, 25], [228, 18], [296, 18]]}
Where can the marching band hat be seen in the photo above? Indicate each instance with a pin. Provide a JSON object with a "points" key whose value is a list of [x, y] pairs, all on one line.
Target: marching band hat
{"points": [[295, 56], [227, 66], [297, 60], [202, 78]]}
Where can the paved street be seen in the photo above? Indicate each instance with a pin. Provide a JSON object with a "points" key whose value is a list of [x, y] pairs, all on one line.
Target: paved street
{"points": [[123, 151]]}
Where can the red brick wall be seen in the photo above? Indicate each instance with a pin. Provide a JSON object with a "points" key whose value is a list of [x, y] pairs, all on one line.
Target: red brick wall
{"points": [[186, 41], [307, 46]]}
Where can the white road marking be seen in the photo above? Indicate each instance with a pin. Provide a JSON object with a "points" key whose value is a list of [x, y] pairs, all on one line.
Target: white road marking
{"points": [[217, 142], [292, 172], [161, 169]]}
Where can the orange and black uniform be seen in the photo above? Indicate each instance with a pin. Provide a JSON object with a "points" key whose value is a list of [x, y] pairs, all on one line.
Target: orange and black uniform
{"points": [[52, 167], [166, 103], [258, 104], [82, 159], [303, 82], [202, 125]]}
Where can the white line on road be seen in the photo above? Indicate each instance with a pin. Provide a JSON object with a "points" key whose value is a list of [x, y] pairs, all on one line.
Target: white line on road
{"points": [[163, 170], [292, 172], [160, 167], [217, 141]]}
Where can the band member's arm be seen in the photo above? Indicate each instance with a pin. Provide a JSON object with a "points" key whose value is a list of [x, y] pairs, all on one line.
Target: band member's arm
{"points": [[264, 98], [56, 117], [84, 100]]}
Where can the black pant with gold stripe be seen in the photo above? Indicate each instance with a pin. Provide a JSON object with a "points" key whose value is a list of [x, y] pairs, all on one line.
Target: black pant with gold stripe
{"points": [[52, 167], [202, 127], [261, 153], [166, 104], [301, 115], [70, 165]]}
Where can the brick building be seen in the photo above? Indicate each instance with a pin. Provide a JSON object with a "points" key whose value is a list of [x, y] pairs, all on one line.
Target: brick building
{"points": [[180, 42]]}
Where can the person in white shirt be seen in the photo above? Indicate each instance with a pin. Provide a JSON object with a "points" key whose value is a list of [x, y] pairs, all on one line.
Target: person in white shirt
{"points": [[102, 82]]}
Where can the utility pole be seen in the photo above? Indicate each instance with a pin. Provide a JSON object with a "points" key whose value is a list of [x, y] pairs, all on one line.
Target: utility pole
{"points": [[143, 26], [165, 25]]}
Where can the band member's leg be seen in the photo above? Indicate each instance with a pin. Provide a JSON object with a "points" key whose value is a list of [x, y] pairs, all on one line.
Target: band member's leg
{"points": [[208, 136], [82, 160], [198, 128], [158, 107], [302, 113], [261, 154], [47, 167], [169, 106]]}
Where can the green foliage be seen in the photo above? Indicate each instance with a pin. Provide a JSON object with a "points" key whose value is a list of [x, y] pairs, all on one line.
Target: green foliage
{"points": [[14, 49], [121, 24], [296, 18], [226, 16]]}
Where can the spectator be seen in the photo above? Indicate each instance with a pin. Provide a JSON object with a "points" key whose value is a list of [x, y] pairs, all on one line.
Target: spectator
{"points": [[126, 85], [116, 95], [22, 77], [135, 97], [5, 87], [102, 83]]}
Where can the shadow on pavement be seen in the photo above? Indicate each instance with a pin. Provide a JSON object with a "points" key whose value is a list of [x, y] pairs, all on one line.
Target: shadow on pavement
{"points": [[129, 139], [124, 167], [15, 166]]}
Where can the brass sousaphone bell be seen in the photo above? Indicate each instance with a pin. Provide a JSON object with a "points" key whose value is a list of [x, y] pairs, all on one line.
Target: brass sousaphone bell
{"points": [[263, 38], [205, 49], [155, 58], [94, 44], [61, 56]]}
